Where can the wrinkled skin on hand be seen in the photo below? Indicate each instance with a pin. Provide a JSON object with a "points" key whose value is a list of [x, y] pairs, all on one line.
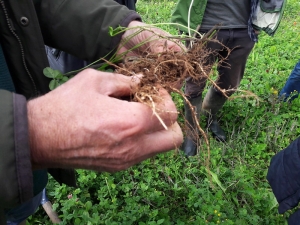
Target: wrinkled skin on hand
{"points": [[85, 124]]}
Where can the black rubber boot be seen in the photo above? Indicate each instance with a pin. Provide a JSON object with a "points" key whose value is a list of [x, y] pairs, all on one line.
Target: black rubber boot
{"points": [[212, 103], [190, 144]]}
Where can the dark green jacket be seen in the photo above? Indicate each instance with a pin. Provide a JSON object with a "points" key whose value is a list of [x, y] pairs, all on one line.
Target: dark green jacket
{"points": [[183, 9], [79, 27], [265, 15]]}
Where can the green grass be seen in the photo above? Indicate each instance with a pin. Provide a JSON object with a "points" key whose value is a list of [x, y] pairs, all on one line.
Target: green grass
{"points": [[171, 189]]}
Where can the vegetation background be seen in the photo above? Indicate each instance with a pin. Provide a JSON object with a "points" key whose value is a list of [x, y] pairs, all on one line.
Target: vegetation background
{"points": [[173, 189]]}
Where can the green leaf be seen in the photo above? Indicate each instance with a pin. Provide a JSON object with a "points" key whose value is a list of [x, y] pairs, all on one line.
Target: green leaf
{"points": [[110, 31], [53, 84], [272, 201], [77, 221], [88, 205], [65, 79], [216, 180], [51, 73], [109, 70], [160, 221], [113, 32], [103, 67]]}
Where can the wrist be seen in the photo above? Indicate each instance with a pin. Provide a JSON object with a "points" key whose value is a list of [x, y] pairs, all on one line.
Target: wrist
{"points": [[38, 137]]}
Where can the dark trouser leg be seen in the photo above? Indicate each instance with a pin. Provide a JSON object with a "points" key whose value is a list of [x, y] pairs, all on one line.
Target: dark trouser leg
{"points": [[231, 70], [190, 144], [212, 103], [193, 91]]}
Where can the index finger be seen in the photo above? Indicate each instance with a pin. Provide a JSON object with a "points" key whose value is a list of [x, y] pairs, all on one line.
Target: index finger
{"points": [[117, 85]]}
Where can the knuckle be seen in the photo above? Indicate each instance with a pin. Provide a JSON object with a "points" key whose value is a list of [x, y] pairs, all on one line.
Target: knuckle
{"points": [[86, 71]]}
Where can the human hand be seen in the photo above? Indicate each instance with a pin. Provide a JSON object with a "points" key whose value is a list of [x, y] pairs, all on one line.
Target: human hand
{"points": [[84, 124], [154, 40]]}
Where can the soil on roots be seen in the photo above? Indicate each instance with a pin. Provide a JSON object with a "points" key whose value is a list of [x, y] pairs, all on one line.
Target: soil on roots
{"points": [[166, 69]]}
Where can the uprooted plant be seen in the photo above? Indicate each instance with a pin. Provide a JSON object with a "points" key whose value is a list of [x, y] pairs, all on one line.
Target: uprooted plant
{"points": [[168, 68], [165, 69]]}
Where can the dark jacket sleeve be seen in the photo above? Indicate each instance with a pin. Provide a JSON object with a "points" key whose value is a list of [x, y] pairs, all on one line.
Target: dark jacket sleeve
{"points": [[81, 27], [284, 176], [15, 166]]}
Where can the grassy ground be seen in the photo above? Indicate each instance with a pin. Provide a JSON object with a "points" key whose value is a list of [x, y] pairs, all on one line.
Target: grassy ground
{"points": [[171, 189]]}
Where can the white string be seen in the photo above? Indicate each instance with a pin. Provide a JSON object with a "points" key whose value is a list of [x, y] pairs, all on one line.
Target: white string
{"points": [[189, 17]]}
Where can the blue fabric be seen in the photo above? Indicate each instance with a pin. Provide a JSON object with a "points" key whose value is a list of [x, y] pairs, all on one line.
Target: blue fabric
{"points": [[63, 61], [17, 215], [292, 85], [6, 82], [294, 219], [284, 176], [21, 213], [251, 31]]}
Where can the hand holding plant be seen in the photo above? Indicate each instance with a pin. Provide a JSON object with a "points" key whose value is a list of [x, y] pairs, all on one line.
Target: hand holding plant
{"points": [[84, 124], [140, 38]]}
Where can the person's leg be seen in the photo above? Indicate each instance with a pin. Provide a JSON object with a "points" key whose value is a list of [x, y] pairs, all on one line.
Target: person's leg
{"points": [[193, 92], [17, 215], [292, 84], [212, 103], [231, 69], [190, 142]]}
